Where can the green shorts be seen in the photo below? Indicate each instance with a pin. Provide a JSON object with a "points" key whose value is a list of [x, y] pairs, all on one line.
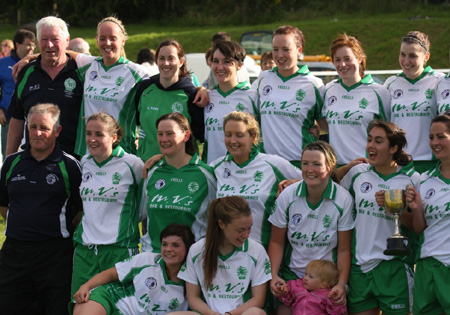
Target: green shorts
{"points": [[432, 287], [388, 287], [104, 295], [88, 261]]}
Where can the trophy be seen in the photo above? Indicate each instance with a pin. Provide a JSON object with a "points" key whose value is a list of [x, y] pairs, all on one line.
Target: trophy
{"points": [[395, 203]]}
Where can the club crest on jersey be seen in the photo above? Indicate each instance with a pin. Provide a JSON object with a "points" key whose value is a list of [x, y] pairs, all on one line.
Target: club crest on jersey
{"points": [[160, 183], [300, 95], [174, 304], [429, 93], [296, 219], [209, 108], [93, 75], [258, 176], [240, 107], [363, 103], [51, 179], [116, 178], [119, 81], [242, 272], [365, 187], [397, 94], [332, 100], [177, 107], [326, 221], [267, 90], [226, 173], [445, 94], [151, 283], [193, 187], [86, 177], [430, 193], [70, 84]]}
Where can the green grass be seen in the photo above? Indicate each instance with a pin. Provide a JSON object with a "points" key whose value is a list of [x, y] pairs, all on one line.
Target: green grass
{"points": [[2, 230], [379, 34]]}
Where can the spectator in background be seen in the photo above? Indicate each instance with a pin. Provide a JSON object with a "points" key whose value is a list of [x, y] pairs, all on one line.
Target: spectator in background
{"points": [[146, 57], [53, 71], [23, 46], [267, 63], [79, 45], [7, 45]]}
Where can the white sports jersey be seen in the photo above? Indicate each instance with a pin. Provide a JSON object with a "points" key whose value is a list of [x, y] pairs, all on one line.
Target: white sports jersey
{"points": [[443, 94], [145, 287], [349, 110], [288, 108], [373, 224], [106, 89], [257, 182], [413, 106], [435, 239], [242, 99], [246, 267], [173, 195], [312, 230], [109, 192]]}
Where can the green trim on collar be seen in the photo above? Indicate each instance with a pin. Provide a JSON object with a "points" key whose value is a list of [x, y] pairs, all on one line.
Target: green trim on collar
{"points": [[162, 263], [303, 70], [253, 153], [195, 160], [120, 61], [436, 172], [118, 151], [244, 249], [407, 170], [240, 86], [329, 193], [447, 75], [425, 72], [366, 80]]}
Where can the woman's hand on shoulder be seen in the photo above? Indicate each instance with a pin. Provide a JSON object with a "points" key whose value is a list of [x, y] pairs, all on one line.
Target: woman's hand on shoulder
{"points": [[202, 97], [149, 164], [285, 183], [338, 294], [82, 295]]}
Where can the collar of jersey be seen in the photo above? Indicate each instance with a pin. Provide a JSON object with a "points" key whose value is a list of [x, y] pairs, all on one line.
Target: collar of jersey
{"points": [[244, 249], [54, 156], [366, 80], [303, 70], [425, 72], [447, 75], [436, 172], [408, 170], [118, 151], [240, 86], [329, 193], [194, 160], [120, 61], [253, 153], [162, 263]]}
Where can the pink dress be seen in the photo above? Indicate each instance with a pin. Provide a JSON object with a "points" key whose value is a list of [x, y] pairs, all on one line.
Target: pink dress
{"points": [[305, 302]]}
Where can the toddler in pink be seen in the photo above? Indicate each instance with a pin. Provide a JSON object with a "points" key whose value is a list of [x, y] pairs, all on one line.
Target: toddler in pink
{"points": [[309, 295]]}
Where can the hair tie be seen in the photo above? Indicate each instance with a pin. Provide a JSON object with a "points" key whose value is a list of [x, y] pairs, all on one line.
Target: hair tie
{"points": [[416, 40]]}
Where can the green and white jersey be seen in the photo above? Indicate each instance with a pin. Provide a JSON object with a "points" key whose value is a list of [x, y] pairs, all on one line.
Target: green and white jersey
{"points": [[145, 288], [443, 94], [413, 106], [288, 108], [171, 195], [242, 99], [109, 192], [106, 89], [256, 181], [239, 271], [373, 224], [312, 230], [348, 112], [435, 239]]}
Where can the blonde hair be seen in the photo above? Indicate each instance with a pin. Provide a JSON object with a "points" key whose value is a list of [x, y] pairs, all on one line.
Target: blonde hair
{"points": [[249, 121], [326, 270], [119, 23]]}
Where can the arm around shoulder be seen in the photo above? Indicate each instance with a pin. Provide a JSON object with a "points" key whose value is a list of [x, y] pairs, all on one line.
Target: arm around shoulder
{"points": [[15, 135]]}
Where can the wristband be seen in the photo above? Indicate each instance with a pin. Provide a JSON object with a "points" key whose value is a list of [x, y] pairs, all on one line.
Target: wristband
{"points": [[345, 286]]}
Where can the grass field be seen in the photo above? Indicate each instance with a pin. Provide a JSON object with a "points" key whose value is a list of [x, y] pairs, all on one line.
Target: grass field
{"points": [[379, 34]]}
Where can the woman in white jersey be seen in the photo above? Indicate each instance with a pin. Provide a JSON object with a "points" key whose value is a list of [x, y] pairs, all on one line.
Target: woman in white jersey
{"points": [[247, 173], [443, 94], [377, 281], [108, 231], [228, 96], [432, 221], [178, 188], [290, 98], [314, 216], [148, 283], [227, 272], [413, 97], [352, 101]]}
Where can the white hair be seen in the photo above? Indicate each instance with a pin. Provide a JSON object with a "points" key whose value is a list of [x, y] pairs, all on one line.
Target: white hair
{"points": [[52, 21]]}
